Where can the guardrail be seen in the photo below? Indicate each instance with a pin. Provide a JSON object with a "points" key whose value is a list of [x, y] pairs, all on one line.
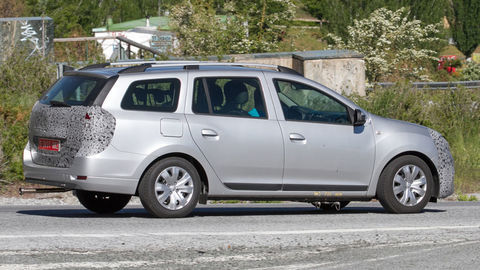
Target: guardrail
{"points": [[437, 85]]}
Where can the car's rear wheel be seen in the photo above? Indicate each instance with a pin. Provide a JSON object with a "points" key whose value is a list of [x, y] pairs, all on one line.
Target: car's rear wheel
{"points": [[102, 203], [170, 188], [405, 185]]}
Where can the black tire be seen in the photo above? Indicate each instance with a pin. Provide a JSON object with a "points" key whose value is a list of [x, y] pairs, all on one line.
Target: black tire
{"points": [[102, 203], [330, 207], [148, 194], [385, 187]]}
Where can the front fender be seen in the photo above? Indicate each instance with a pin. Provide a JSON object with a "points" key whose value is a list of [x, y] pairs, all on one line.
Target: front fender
{"points": [[394, 138]]}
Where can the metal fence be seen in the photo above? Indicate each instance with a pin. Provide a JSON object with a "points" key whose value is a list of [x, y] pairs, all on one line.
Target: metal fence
{"points": [[438, 85]]}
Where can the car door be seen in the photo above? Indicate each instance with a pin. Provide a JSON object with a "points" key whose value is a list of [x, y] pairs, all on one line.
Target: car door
{"points": [[233, 123], [323, 150]]}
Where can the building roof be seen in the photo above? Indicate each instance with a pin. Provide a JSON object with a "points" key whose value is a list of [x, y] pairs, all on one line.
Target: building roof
{"points": [[161, 23], [25, 19], [326, 54]]}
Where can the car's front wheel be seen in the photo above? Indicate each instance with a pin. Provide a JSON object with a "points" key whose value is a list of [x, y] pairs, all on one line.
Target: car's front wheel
{"points": [[102, 203], [170, 188], [405, 185]]}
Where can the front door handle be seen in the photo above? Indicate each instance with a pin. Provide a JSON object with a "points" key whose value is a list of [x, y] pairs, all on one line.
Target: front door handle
{"points": [[296, 137], [209, 133]]}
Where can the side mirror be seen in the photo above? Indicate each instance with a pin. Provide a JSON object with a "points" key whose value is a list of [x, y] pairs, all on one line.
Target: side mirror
{"points": [[359, 119]]}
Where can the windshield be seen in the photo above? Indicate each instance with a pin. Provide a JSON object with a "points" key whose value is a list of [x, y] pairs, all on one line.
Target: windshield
{"points": [[74, 91]]}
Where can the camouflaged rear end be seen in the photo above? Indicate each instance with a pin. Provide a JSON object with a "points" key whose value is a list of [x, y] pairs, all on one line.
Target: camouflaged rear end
{"points": [[79, 136]]}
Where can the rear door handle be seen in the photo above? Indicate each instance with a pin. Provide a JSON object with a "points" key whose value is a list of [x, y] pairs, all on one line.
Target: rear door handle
{"points": [[209, 133], [296, 137]]}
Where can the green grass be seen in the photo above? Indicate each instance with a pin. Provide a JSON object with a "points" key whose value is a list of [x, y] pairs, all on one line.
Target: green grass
{"points": [[302, 39], [301, 11], [467, 198], [452, 50]]}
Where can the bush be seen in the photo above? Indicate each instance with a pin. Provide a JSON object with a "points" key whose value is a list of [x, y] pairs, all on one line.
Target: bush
{"points": [[471, 72], [21, 83], [393, 46], [454, 113]]}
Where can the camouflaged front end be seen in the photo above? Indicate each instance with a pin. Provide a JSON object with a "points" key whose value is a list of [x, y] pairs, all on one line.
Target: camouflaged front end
{"points": [[81, 130], [445, 164]]}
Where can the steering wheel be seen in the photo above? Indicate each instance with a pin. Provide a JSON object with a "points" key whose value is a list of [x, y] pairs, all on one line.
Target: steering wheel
{"points": [[295, 113], [238, 112]]}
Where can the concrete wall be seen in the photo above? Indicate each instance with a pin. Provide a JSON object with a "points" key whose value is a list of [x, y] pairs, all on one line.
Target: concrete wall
{"points": [[34, 34], [280, 59], [340, 70]]}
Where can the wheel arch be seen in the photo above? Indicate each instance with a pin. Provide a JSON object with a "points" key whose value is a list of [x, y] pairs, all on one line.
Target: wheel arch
{"points": [[198, 166], [426, 159]]}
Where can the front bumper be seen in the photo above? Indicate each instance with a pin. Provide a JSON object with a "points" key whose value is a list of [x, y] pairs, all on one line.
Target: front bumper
{"points": [[106, 172]]}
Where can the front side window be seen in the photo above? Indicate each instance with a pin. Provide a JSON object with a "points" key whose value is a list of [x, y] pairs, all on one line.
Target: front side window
{"points": [[301, 102], [74, 91], [229, 96], [159, 95]]}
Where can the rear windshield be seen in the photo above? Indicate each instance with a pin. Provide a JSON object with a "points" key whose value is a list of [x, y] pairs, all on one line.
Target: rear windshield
{"points": [[74, 91]]}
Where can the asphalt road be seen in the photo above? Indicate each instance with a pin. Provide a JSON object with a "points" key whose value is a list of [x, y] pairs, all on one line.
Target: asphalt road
{"points": [[242, 236]]}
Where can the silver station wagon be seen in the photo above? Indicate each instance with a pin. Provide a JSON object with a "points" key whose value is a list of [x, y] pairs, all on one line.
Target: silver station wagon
{"points": [[181, 133]]}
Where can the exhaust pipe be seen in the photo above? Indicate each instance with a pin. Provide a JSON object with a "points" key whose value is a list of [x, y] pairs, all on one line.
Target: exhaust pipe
{"points": [[22, 191]]}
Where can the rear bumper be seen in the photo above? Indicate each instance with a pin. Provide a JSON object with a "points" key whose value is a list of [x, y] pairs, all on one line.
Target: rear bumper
{"points": [[110, 171]]}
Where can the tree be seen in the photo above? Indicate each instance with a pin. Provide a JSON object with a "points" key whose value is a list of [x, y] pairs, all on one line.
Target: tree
{"points": [[339, 14], [11, 8], [73, 16], [465, 22], [241, 28], [393, 45]]}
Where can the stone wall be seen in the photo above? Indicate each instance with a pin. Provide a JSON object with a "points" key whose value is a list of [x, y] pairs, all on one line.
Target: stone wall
{"points": [[34, 34]]}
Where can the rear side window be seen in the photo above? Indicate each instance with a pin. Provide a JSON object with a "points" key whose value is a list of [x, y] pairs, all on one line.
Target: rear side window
{"points": [[229, 97], [159, 95], [74, 91]]}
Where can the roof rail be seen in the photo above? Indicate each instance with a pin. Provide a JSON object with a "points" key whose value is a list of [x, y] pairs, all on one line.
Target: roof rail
{"points": [[101, 65], [135, 69], [134, 62], [196, 65], [141, 66]]}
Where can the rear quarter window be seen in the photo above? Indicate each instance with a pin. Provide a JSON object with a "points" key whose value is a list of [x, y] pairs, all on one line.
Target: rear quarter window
{"points": [[74, 91], [160, 95]]}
